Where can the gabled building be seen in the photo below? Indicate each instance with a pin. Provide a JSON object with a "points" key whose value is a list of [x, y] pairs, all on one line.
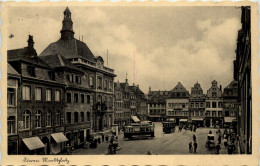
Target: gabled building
{"points": [[118, 105], [197, 105], [99, 78], [156, 105], [177, 104], [40, 112], [214, 109], [126, 101]]}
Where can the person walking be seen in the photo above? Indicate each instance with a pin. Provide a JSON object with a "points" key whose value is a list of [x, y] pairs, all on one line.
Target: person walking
{"points": [[219, 139], [218, 148], [190, 147], [195, 146], [194, 137]]}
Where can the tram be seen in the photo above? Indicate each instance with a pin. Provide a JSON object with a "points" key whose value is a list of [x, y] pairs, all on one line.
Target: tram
{"points": [[169, 126], [145, 128]]}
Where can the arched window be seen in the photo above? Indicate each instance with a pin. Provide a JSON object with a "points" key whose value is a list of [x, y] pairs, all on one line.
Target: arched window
{"points": [[38, 119], [48, 118], [26, 119], [57, 118], [76, 98]]}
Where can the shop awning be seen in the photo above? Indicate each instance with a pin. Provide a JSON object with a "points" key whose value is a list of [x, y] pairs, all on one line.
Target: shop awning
{"points": [[196, 119], [33, 143], [229, 119], [183, 120], [59, 137], [154, 116], [135, 119]]}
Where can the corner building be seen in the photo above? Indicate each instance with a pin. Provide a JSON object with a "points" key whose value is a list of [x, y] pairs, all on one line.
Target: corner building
{"points": [[99, 78]]}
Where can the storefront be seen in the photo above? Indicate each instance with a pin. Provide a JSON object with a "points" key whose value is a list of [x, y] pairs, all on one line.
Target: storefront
{"points": [[197, 121]]}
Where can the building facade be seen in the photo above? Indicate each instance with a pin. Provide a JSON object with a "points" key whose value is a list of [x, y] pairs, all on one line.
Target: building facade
{"points": [[214, 110], [13, 81], [119, 105], [197, 105], [242, 74], [126, 101], [40, 113], [177, 104], [99, 78], [230, 105], [156, 105]]}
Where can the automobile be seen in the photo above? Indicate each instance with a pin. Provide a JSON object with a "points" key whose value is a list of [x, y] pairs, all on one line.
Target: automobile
{"points": [[210, 144]]}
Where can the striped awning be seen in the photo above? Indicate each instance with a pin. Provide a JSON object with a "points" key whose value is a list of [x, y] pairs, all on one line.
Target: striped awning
{"points": [[33, 143], [135, 119], [229, 119], [183, 120]]}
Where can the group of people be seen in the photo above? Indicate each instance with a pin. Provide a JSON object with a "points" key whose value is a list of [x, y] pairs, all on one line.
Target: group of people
{"points": [[188, 126], [113, 145], [193, 147]]}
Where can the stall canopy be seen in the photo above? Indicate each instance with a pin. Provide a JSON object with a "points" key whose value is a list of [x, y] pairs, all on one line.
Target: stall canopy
{"points": [[59, 137], [229, 119], [183, 120], [33, 143], [197, 119], [135, 119]]}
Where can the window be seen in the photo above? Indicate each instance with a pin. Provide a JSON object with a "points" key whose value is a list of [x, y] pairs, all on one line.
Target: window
{"points": [[68, 116], [11, 96], [226, 113], [51, 75], [197, 105], [11, 125], [82, 116], [48, 94], [192, 105], [110, 85], [183, 105], [219, 104], [76, 117], [76, 98], [82, 98], [57, 118], [214, 105], [208, 113], [219, 113], [38, 116], [26, 119], [69, 97], [208, 104], [91, 81], [26, 93], [201, 105], [38, 94], [214, 94], [57, 95], [48, 118], [72, 78], [99, 83], [214, 113], [78, 79], [100, 98], [88, 99], [31, 71], [105, 84]]}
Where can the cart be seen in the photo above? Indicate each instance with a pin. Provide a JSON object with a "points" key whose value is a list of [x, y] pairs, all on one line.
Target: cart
{"points": [[210, 144]]}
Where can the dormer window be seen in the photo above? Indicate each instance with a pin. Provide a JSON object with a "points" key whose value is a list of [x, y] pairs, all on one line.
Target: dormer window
{"points": [[31, 70]]}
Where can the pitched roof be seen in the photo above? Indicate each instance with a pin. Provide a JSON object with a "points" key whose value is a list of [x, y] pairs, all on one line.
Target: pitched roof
{"points": [[11, 70], [157, 97], [71, 48], [58, 60], [136, 90], [179, 88]]}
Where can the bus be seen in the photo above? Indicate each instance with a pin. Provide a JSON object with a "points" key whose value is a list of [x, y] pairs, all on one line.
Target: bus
{"points": [[169, 126], [139, 129]]}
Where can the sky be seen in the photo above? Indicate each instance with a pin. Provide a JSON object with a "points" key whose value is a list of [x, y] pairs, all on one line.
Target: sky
{"points": [[156, 46]]}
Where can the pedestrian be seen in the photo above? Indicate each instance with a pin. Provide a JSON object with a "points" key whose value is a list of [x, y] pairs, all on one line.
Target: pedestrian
{"points": [[218, 148], [219, 139], [68, 149], [225, 142], [195, 146], [208, 144], [210, 132], [107, 138], [149, 153], [190, 147], [194, 138]]}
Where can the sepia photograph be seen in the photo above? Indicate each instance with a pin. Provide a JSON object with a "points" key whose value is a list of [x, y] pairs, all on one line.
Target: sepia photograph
{"points": [[127, 80]]}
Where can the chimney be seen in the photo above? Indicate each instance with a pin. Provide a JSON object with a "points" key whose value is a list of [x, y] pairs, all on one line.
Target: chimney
{"points": [[150, 89], [30, 42]]}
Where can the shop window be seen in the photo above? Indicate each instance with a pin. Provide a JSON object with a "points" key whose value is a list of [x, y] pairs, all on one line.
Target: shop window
{"points": [[11, 96], [26, 92]]}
